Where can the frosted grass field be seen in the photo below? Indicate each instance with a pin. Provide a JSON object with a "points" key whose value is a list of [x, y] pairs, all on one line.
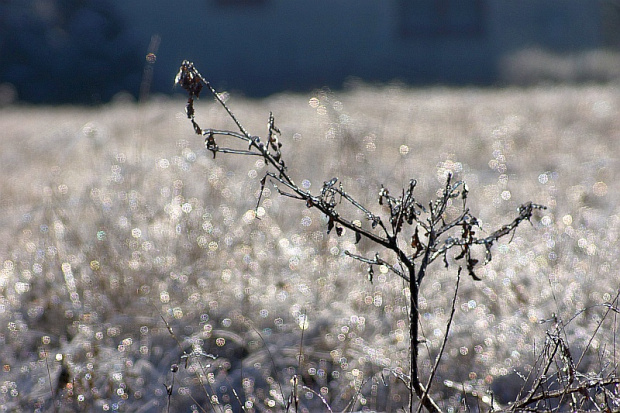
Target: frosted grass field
{"points": [[114, 217]]}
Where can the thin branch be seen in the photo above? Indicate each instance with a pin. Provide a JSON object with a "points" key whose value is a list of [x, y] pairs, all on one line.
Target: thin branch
{"points": [[525, 213], [271, 358], [238, 152], [531, 396], [186, 356], [378, 261], [444, 342], [598, 326], [49, 377], [320, 396], [554, 394]]}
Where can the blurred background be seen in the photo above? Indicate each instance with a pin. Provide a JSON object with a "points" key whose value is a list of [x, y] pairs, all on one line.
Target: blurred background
{"points": [[89, 51], [115, 215]]}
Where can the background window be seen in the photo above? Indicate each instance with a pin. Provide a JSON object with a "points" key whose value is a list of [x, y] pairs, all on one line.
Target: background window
{"points": [[441, 17]]}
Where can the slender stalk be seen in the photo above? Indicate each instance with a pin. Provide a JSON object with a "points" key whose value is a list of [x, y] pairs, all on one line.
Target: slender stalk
{"points": [[443, 344], [393, 231], [414, 386]]}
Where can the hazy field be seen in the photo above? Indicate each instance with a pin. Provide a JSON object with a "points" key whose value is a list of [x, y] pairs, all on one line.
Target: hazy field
{"points": [[116, 216]]}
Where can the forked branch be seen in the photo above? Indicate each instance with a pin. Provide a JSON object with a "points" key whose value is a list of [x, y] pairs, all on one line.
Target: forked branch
{"points": [[410, 234]]}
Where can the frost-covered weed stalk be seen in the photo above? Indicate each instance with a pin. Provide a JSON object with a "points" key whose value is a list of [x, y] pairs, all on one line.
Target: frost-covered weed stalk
{"points": [[410, 234]]}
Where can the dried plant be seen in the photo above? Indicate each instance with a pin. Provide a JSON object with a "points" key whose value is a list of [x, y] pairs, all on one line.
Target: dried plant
{"points": [[105, 244], [557, 379], [411, 234]]}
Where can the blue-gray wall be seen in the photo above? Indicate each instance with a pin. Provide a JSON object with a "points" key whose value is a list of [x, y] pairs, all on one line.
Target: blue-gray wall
{"points": [[89, 49], [266, 46]]}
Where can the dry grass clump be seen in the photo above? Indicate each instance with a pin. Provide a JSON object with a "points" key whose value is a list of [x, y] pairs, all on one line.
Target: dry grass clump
{"points": [[119, 217]]}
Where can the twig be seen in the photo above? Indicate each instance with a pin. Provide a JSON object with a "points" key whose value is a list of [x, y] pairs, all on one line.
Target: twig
{"points": [[553, 394], [444, 342], [598, 326], [271, 358], [185, 356], [169, 388], [378, 261], [49, 377], [320, 396]]}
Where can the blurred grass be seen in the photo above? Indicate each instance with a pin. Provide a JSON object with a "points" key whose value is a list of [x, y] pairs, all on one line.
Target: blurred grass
{"points": [[116, 215]]}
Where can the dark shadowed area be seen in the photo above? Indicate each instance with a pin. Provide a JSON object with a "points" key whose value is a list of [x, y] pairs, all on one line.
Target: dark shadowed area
{"points": [[88, 51]]}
